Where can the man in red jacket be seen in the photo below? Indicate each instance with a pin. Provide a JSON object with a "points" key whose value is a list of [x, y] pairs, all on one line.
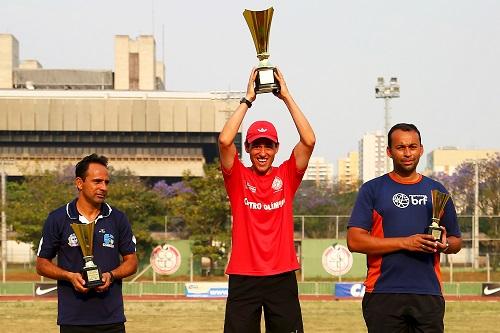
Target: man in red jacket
{"points": [[263, 259]]}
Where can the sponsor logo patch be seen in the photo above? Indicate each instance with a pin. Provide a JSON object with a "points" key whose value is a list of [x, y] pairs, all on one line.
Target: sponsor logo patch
{"points": [[109, 241], [72, 240], [402, 200], [277, 184], [253, 189], [45, 289], [491, 289]]}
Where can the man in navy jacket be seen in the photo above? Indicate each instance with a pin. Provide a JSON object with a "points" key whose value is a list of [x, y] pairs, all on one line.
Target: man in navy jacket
{"points": [[82, 309]]}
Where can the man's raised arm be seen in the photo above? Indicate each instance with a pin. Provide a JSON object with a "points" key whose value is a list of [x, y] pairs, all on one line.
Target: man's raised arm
{"points": [[304, 148], [227, 149]]}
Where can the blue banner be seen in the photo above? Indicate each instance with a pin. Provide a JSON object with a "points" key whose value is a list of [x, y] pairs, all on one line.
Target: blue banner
{"points": [[349, 289]]}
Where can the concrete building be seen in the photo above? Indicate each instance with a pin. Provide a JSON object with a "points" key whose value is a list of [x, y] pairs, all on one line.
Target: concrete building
{"points": [[50, 118], [372, 156], [319, 171], [136, 68], [156, 134], [135, 64], [447, 159], [348, 170], [9, 59]]}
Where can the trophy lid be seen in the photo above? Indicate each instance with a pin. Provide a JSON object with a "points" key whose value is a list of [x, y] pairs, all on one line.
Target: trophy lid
{"points": [[259, 23]]}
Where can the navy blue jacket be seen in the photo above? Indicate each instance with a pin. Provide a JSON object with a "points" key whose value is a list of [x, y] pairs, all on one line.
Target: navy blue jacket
{"points": [[113, 238], [387, 208]]}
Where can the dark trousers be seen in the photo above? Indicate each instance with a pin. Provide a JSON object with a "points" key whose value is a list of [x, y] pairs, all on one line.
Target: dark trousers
{"points": [[276, 295], [109, 328], [408, 313]]}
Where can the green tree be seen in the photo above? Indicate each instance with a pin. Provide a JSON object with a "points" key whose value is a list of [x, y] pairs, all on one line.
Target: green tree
{"points": [[205, 210], [144, 207], [461, 185], [323, 200], [30, 200]]}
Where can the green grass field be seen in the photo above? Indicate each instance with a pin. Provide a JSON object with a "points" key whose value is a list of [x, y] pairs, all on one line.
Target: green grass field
{"points": [[207, 316]]}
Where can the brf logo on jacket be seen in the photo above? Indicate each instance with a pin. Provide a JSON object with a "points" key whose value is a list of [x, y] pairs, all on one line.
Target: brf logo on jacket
{"points": [[402, 200]]}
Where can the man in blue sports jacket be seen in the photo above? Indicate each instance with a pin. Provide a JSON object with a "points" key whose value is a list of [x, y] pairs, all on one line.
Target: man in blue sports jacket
{"points": [[81, 309], [388, 222]]}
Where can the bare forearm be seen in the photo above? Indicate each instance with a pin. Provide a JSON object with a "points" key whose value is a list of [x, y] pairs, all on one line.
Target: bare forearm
{"points": [[127, 267], [304, 129], [47, 268], [368, 244], [360, 240], [230, 129], [455, 245]]}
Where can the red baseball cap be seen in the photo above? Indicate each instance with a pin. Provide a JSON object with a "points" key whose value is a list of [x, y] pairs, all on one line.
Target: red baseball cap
{"points": [[261, 129]]}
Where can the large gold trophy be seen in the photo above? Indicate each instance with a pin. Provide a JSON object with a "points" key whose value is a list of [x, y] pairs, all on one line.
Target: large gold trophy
{"points": [[439, 200], [90, 272], [259, 23]]}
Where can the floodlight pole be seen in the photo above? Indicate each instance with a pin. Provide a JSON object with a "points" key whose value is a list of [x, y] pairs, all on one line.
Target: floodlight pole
{"points": [[4, 224], [387, 92], [475, 231], [387, 126]]}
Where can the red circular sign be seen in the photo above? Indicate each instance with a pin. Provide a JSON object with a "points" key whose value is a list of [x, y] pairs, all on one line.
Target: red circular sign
{"points": [[165, 259], [337, 260]]}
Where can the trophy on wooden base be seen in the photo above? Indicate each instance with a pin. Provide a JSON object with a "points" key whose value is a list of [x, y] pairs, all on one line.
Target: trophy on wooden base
{"points": [[90, 272], [259, 23], [439, 200]]}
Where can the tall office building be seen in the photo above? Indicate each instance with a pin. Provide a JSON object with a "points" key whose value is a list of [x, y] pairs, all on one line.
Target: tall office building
{"points": [[447, 159], [372, 156], [348, 170], [319, 171]]}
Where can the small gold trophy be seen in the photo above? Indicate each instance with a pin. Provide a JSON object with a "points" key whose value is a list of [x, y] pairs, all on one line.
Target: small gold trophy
{"points": [[259, 23], [439, 200], [90, 272]]}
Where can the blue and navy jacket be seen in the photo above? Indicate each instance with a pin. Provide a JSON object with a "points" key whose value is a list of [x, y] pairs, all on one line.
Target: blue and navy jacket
{"points": [[113, 238], [387, 208]]}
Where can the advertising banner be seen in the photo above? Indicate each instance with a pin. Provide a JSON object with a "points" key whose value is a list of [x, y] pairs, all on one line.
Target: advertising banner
{"points": [[491, 289], [349, 289], [45, 289], [206, 289]]}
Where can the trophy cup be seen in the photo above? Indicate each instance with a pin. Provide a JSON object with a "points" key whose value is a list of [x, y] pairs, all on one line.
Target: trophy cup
{"points": [[90, 272], [259, 23], [439, 200]]}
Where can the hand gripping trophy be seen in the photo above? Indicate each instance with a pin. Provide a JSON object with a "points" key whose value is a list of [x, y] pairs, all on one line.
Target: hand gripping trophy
{"points": [[259, 23], [90, 272], [439, 200]]}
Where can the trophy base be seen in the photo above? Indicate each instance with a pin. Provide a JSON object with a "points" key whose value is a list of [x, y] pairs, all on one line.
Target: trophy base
{"points": [[436, 232], [265, 81], [92, 277]]}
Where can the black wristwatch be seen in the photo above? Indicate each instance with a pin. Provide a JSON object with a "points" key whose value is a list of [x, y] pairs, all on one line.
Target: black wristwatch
{"points": [[246, 101], [112, 277]]}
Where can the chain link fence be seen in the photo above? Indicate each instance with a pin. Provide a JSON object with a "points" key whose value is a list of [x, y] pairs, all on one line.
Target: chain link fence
{"points": [[479, 250]]}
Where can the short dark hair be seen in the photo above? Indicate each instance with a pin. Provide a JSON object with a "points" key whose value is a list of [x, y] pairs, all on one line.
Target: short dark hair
{"points": [[82, 166], [404, 127]]}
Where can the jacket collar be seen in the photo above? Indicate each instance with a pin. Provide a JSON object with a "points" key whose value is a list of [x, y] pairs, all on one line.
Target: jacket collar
{"points": [[73, 214]]}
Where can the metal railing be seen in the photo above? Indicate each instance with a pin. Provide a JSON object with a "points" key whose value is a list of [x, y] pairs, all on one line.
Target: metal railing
{"points": [[148, 288]]}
